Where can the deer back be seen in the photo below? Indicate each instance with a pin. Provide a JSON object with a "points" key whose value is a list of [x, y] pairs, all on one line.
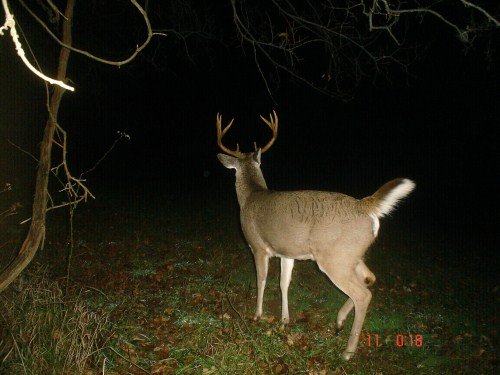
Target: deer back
{"points": [[296, 224]]}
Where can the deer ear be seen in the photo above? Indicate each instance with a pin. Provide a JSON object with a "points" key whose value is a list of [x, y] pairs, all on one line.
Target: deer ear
{"points": [[227, 161], [256, 155]]}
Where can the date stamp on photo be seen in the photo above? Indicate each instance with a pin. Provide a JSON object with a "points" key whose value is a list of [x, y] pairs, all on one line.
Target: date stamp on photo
{"points": [[399, 340]]}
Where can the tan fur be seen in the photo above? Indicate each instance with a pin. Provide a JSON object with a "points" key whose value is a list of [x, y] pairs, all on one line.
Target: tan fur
{"points": [[333, 229]]}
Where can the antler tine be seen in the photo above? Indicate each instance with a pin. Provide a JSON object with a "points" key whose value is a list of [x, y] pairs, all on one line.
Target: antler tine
{"points": [[273, 124], [220, 134]]}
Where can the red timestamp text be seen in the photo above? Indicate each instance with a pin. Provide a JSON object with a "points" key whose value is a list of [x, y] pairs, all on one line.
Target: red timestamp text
{"points": [[399, 340]]}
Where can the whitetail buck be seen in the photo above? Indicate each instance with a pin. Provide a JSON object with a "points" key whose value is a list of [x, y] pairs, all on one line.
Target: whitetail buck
{"points": [[333, 229]]}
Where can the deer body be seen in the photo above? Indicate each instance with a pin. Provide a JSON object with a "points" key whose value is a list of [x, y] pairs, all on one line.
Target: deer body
{"points": [[333, 229], [296, 224]]}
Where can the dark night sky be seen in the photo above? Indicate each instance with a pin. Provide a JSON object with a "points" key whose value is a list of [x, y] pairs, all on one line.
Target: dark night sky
{"points": [[435, 126]]}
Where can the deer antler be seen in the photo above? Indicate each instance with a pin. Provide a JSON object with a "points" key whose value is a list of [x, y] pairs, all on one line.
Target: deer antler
{"points": [[220, 134], [273, 124]]}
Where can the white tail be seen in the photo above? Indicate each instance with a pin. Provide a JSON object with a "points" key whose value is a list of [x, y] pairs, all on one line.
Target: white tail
{"points": [[388, 196], [333, 229]]}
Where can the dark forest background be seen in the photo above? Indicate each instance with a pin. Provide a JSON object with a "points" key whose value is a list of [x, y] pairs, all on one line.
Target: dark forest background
{"points": [[434, 122]]}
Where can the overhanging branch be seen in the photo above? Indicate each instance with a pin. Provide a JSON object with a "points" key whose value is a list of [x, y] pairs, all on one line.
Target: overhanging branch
{"points": [[138, 49], [10, 24], [345, 39]]}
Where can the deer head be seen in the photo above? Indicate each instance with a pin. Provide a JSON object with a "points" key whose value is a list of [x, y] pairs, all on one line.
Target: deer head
{"points": [[249, 177]]}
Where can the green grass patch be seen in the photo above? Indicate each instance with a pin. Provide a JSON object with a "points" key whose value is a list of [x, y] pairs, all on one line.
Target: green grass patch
{"points": [[180, 297]]}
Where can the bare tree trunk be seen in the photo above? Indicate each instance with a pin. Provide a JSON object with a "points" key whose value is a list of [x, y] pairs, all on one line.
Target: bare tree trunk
{"points": [[36, 232]]}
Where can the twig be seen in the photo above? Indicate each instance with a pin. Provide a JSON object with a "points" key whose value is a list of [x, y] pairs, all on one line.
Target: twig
{"points": [[19, 354], [486, 14], [55, 9], [391, 11], [128, 360], [120, 136], [22, 150], [336, 29], [8, 354], [78, 181], [97, 290], [138, 49]]}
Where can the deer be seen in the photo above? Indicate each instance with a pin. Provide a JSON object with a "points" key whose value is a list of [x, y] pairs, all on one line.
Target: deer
{"points": [[333, 229]]}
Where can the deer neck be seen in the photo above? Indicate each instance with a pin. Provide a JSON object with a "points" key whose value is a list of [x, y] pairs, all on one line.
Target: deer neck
{"points": [[248, 182]]}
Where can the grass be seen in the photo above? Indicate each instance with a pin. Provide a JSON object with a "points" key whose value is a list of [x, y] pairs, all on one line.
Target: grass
{"points": [[177, 285], [45, 331]]}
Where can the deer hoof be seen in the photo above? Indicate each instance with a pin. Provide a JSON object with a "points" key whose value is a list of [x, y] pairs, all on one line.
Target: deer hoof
{"points": [[347, 355], [338, 326]]}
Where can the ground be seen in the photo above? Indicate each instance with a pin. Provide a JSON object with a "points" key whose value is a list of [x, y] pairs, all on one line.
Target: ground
{"points": [[175, 282]]}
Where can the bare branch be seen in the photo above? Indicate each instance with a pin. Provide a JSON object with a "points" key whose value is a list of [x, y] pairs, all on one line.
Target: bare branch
{"points": [[121, 135], [55, 9], [90, 55], [10, 23], [73, 184], [23, 150], [397, 12], [353, 36], [486, 14]]}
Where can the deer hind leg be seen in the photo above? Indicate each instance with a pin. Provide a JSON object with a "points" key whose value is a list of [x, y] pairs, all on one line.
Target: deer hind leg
{"points": [[285, 277], [261, 266], [366, 277], [348, 282]]}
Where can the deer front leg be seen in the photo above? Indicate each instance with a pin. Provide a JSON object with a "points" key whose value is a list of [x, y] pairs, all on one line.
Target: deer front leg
{"points": [[285, 277], [261, 266]]}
